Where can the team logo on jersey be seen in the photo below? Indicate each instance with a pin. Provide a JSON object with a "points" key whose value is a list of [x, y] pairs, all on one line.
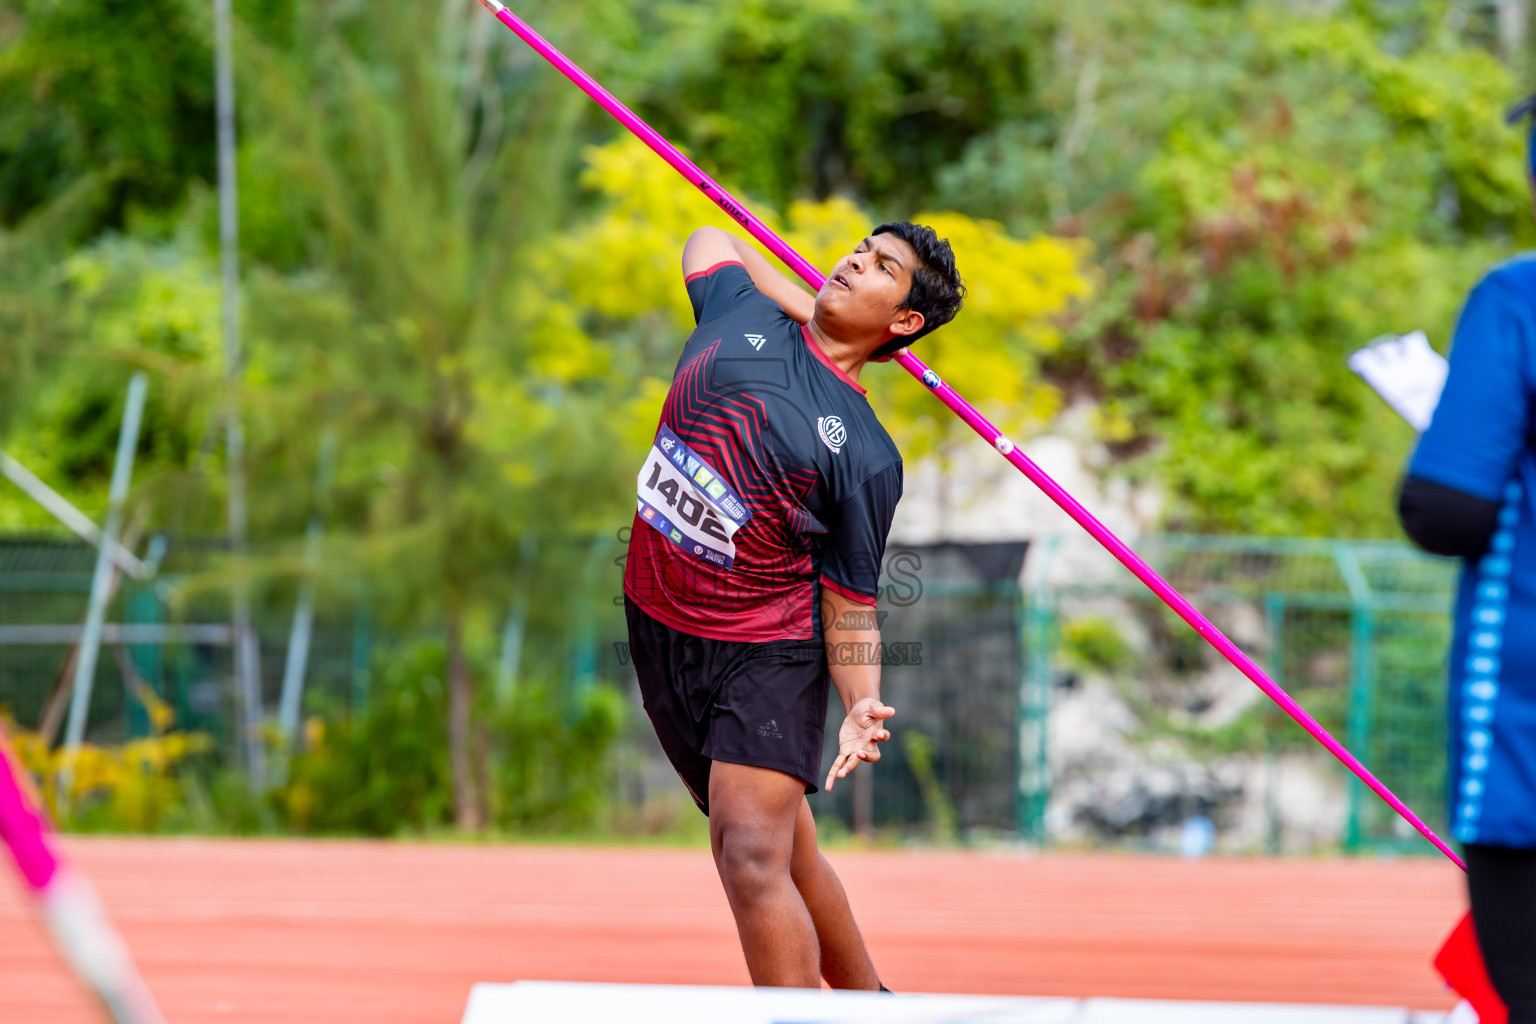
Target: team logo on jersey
{"points": [[755, 340], [833, 434]]}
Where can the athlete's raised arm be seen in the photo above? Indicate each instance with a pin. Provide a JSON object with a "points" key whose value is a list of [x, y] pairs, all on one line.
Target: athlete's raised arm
{"points": [[708, 247]]}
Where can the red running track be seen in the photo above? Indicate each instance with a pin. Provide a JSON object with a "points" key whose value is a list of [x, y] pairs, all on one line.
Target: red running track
{"points": [[308, 931]]}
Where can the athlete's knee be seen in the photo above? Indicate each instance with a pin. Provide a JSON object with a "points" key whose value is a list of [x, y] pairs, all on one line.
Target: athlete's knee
{"points": [[752, 861]]}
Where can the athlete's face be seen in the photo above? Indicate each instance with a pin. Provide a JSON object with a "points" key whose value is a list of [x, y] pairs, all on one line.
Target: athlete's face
{"points": [[864, 292]]}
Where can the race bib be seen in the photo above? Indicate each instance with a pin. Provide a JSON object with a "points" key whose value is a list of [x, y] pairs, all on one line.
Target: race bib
{"points": [[683, 498]]}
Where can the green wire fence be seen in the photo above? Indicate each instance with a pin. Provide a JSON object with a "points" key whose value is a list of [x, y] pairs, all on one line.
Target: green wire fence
{"points": [[1358, 631], [983, 646]]}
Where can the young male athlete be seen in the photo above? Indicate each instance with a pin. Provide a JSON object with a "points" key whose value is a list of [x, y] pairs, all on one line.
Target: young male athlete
{"points": [[763, 509]]}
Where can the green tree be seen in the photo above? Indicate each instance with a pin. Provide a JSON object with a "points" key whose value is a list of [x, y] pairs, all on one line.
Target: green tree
{"points": [[1017, 287], [425, 176], [795, 99], [1268, 192], [118, 89]]}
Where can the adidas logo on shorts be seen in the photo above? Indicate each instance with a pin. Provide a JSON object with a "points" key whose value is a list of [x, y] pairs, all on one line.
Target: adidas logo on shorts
{"points": [[770, 729]]}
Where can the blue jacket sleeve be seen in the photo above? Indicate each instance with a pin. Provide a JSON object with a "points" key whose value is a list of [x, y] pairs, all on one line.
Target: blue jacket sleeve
{"points": [[1482, 424]]}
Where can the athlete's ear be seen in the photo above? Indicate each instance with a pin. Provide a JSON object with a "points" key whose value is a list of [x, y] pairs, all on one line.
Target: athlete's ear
{"points": [[907, 323]]}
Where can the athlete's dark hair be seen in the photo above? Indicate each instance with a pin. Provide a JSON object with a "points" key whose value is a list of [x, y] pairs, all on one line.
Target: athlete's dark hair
{"points": [[936, 291]]}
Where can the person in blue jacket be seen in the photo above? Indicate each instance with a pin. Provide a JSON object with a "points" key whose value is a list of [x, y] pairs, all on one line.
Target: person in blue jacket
{"points": [[1470, 492]]}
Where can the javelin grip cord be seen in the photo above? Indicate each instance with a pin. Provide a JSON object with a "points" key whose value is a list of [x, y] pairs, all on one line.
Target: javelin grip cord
{"points": [[977, 422]]}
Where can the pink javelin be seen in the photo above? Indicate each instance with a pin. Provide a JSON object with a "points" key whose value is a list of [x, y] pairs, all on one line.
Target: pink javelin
{"points": [[70, 907], [22, 829], [977, 422]]}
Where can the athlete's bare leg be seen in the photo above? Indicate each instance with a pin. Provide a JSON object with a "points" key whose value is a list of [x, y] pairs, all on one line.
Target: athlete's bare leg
{"points": [[752, 817], [845, 962]]}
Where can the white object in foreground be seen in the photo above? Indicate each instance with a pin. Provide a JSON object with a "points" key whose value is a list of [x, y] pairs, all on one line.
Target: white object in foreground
{"points": [[1461, 1014], [1407, 373], [549, 1002], [93, 949]]}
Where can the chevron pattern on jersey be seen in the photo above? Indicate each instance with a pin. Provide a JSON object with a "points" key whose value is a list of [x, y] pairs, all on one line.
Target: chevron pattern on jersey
{"points": [[770, 591]]}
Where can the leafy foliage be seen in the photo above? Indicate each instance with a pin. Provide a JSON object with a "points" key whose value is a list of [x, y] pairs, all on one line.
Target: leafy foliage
{"points": [[789, 97], [120, 89], [387, 769], [1094, 643], [1182, 215], [382, 770], [134, 786], [1269, 192], [1016, 289]]}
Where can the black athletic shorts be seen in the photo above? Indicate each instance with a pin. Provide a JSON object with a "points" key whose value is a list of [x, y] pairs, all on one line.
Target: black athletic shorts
{"points": [[761, 704]]}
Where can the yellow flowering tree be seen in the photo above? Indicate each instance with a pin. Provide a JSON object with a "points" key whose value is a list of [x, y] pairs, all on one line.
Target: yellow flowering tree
{"points": [[133, 786], [615, 279], [1016, 292]]}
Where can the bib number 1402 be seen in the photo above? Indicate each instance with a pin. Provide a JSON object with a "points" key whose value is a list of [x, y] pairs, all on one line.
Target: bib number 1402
{"points": [[687, 507], [685, 500]]}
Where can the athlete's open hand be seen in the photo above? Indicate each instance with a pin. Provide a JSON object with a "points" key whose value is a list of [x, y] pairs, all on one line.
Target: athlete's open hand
{"points": [[859, 738]]}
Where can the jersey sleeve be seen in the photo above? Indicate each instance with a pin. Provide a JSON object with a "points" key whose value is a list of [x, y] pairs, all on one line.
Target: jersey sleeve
{"points": [[1479, 429], [855, 544], [722, 289]]}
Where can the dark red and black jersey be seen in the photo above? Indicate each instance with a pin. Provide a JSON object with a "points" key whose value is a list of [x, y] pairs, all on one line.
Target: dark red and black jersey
{"points": [[770, 477]]}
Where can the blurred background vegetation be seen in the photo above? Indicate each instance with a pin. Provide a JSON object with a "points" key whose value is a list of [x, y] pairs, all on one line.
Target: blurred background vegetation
{"points": [[1182, 213]]}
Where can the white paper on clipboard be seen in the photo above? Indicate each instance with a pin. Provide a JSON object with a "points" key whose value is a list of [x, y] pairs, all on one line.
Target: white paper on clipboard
{"points": [[1405, 371]]}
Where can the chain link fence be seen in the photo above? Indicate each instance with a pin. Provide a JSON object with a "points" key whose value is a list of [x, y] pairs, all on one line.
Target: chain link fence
{"points": [[169, 635], [1356, 631], [1035, 697]]}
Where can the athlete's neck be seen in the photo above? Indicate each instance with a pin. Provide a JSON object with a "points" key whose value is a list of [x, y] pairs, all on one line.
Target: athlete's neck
{"points": [[847, 356]]}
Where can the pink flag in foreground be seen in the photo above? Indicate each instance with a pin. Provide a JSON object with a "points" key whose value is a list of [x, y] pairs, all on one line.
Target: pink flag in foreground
{"points": [[69, 906], [946, 394]]}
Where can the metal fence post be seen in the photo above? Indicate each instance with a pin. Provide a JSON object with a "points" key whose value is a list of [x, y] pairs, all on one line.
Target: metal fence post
{"points": [[101, 580], [362, 656], [143, 606], [1362, 678], [1034, 705], [297, 664], [510, 662], [582, 652], [1274, 623], [247, 652], [64, 512]]}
